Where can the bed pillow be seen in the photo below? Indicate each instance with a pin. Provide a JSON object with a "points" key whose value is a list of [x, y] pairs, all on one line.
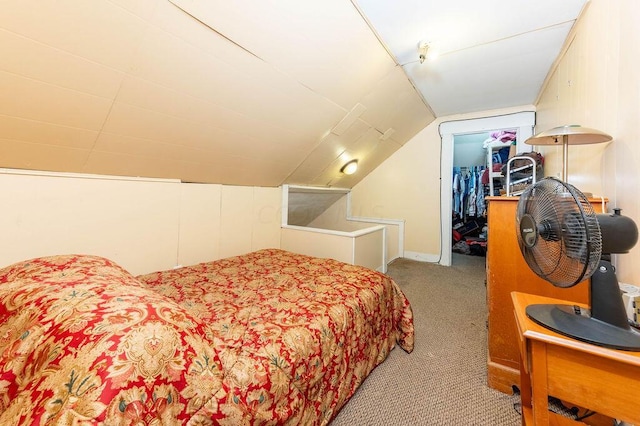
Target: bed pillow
{"points": [[81, 340]]}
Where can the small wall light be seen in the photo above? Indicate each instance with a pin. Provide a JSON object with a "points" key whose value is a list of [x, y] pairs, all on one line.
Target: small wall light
{"points": [[350, 167]]}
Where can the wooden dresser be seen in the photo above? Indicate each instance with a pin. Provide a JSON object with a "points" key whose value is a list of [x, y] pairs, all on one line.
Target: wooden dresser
{"points": [[507, 271]]}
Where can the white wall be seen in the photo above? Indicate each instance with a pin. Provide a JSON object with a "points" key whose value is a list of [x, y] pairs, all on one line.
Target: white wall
{"points": [[597, 84], [142, 224], [468, 150], [335, 217], [319, 244], [407, 186], [338, 217]]}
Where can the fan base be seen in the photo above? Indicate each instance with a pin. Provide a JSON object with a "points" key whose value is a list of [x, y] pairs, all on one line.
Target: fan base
{"points": [[575, 322]]}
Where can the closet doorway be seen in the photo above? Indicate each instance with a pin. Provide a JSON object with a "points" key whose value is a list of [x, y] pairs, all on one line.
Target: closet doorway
{"points": [[470, 186], [521, 122]]}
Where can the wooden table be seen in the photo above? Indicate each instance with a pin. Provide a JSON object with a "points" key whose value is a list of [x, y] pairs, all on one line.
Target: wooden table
{"points": [[604, 380]]}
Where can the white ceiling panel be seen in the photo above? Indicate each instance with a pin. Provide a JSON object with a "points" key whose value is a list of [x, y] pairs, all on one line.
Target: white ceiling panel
{"points": [[462, 24], [146, 95], [97, 30], [36, 156], [150, 126], [173, 63], [34, 100], [248, 93], [481, 46], [109, 163], [149, 148], [317, 160], [392, 104], [145, 9], [20, 129], [29, 58], [495, 75], [323, 45]]}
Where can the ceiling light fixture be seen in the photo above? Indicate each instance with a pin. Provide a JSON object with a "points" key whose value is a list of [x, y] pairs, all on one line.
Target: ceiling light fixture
{"points": [[426, 51], [350, 167]]}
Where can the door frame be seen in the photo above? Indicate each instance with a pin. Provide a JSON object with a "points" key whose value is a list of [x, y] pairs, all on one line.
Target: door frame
{"points": [[523, 122]]}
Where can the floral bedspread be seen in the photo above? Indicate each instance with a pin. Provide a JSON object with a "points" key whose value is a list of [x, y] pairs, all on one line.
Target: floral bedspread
{"points": [[270, 337]]}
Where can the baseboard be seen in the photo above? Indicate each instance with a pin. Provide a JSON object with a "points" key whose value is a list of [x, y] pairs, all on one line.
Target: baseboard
{"points": [[421, 257]]}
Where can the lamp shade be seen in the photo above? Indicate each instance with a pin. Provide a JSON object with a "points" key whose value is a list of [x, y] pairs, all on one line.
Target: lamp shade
{"points": [[575, 135], [565, 136]]}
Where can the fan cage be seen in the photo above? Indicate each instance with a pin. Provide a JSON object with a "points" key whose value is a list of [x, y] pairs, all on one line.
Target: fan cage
{"points": [[568, 244]]}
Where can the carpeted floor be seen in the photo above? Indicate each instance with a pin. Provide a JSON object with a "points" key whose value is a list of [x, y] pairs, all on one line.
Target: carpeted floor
{"points": [[443, 381]]}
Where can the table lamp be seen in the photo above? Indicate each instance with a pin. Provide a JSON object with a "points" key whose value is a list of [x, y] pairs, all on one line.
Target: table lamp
{"points": [[568, 135]]}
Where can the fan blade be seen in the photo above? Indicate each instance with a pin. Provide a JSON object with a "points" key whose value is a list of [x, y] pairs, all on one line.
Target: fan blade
{"points": [[558, 232]]}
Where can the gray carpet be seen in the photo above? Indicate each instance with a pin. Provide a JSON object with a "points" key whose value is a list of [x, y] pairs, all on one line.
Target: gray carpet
{"points": [[443, 381]]}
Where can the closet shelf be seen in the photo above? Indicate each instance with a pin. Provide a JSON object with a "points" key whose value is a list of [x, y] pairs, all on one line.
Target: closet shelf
{"points": [[498, 145], [493, 147]]}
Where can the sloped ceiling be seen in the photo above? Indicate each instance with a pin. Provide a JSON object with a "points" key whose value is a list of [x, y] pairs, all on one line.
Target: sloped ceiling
{"points": [[245, 93], [490, 53], [241, 93]]}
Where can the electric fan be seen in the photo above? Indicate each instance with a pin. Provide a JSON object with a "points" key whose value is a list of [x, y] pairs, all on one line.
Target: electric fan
{"points": [[564, 242]]}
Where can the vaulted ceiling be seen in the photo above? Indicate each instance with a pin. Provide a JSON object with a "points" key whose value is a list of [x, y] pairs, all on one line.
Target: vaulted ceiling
{"points": [[489, 53], [256, 93]]}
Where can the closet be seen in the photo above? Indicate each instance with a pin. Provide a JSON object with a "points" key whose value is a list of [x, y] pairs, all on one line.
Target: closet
{"points": [[522, 122], [468, 206], [480, 170]]}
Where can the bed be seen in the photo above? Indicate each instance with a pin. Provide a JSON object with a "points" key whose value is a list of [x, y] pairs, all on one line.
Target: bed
{"points": [[270, 337]]}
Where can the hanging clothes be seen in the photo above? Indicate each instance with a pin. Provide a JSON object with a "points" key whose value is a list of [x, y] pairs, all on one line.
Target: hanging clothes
{"points": [[456, 189], [468, 191], [481, 208], [463, 191], [471, 204]]}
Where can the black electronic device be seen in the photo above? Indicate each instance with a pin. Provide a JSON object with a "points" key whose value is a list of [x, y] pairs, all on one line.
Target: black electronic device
{"points": [[564, 242]]}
